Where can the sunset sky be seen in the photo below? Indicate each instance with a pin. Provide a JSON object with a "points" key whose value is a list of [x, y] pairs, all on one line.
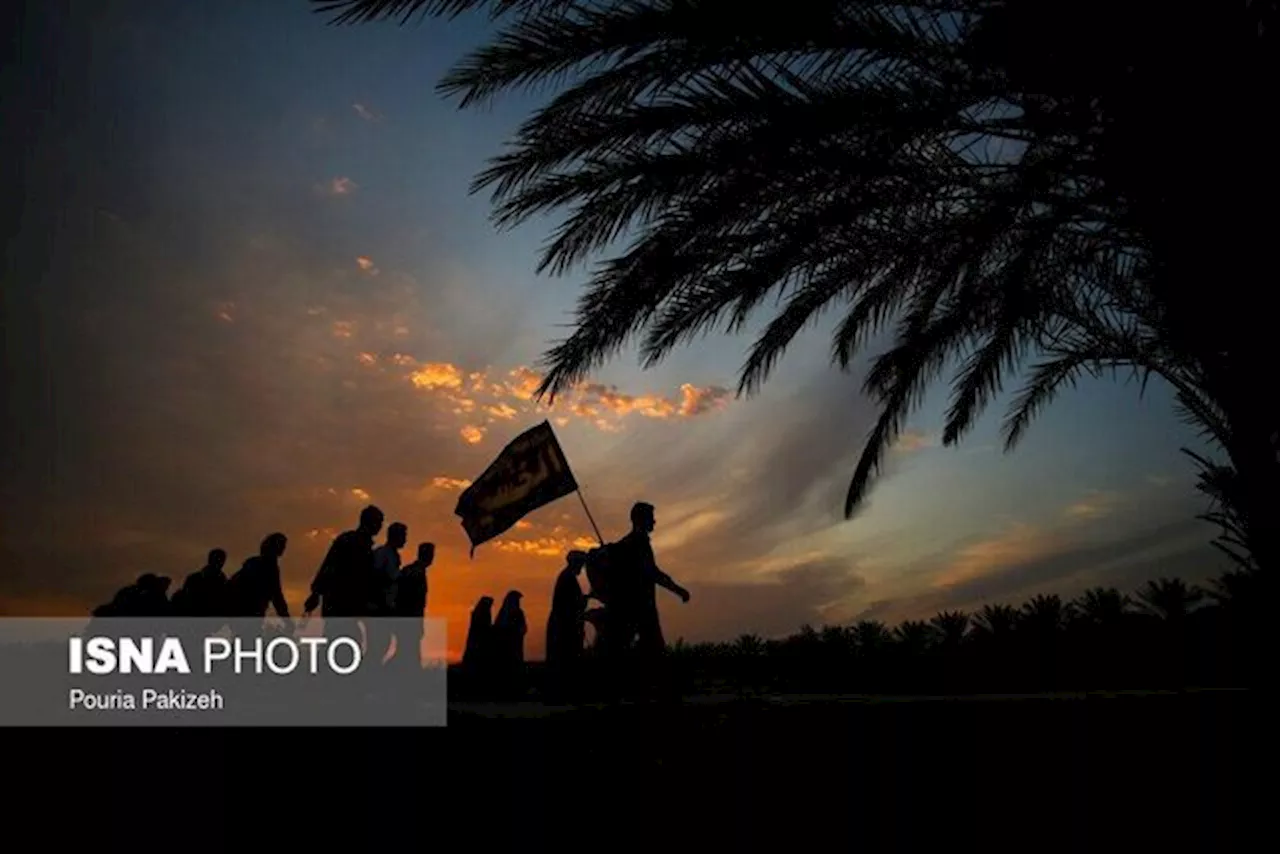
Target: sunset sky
{"points": [[251, 293]]}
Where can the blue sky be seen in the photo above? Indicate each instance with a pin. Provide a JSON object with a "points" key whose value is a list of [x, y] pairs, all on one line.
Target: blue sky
{"points": [[245, 233]]}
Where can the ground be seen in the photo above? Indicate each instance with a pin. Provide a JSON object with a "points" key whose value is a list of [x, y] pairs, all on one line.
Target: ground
{"points": [[1064, 772]]}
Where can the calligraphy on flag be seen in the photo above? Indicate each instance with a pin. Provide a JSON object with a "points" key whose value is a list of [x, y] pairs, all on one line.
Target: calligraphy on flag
{"points": [[530, 472]]}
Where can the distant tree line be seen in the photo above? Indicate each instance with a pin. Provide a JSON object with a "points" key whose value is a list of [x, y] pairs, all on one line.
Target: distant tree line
{"points": [[1167, 635]]}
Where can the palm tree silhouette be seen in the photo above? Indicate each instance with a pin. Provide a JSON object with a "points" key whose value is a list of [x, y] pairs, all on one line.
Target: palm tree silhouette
{"points": [[995, 622], [1238, 588], [1222, 485], [835, 637], [1102, 606], [912, 637], [976, 177], [871, 636], [1045, 613], [950, 627], [748, 646], [1169, 599]]}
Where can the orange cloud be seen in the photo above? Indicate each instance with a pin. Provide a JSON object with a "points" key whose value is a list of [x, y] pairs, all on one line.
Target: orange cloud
{"points": [[342, 187], [696, 401], [367, 359], [524, 382], [359, 493], [1095, 506], [343, 328], [593, 400], [366, 265], [910, 441], [437, 375], [1017, 544], [544, 546], [602, 406], [471, 434], [226, 312], [609, 398], [450, 482]]}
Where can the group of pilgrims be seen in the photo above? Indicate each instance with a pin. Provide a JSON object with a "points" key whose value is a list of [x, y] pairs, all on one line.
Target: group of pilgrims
{"points": [[358, 580]]}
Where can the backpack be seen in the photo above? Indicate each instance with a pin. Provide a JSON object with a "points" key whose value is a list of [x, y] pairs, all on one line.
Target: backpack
{"points": [[602, 571], [239, 589]]}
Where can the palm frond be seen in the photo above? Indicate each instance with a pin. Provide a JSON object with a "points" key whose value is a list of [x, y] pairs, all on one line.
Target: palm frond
{"points": [[365, 11], [968, 174]]}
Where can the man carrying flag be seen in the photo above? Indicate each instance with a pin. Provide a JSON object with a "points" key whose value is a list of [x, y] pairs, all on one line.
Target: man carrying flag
{"points": [[530, 472]]}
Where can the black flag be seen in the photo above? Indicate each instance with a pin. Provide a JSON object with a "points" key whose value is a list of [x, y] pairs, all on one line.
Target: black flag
{"points": [[530, 472]]}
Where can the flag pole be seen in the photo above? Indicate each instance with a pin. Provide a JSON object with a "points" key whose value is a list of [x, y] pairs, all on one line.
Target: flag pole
{"points": [[590, 518], [577, 489]]}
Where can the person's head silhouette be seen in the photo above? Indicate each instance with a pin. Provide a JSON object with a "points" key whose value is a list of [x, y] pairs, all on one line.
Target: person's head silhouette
{"points": [[274, 545], [371, 520], [642, 517], [397, 535], [511, 602], [217, 559], [426, 553]]}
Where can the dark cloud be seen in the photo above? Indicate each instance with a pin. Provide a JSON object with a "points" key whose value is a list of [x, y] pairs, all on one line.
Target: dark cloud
{"points": [[1176, 549]]}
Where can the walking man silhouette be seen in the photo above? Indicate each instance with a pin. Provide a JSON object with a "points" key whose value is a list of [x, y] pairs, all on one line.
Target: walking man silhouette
{"points": [[341, 585], [256, 585], [382, 590], [203, 593], [411, 603], [635, 606], [566, 625]]}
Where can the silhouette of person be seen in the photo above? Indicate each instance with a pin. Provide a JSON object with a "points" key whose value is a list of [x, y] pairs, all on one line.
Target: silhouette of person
{"points": [[477, 657], [341, 584], [145, 597], [635, 607], [509, 629], [203, 593], [566, 625], [411, 600], [382, 588], [256, 585]]}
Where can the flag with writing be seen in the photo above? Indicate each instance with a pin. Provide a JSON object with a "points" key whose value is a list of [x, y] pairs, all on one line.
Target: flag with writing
{"points": [[530, 472]]}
